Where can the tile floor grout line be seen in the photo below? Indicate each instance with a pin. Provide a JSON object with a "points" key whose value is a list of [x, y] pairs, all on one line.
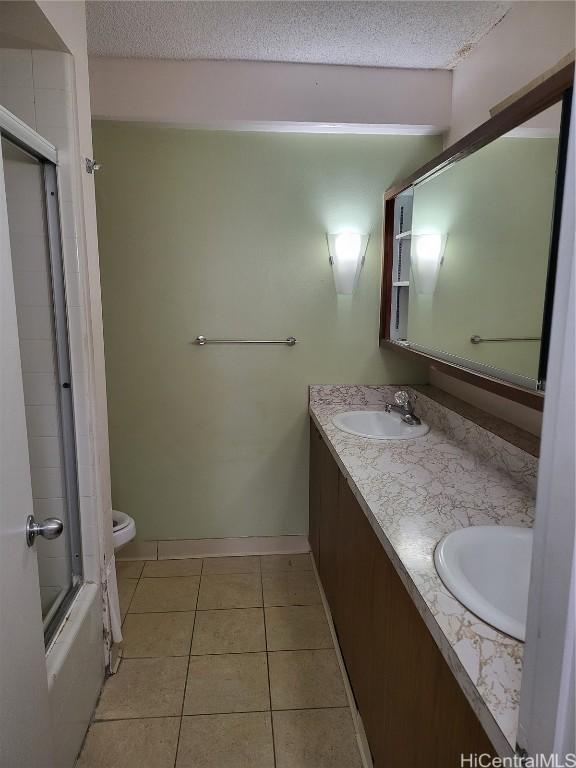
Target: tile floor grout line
{"points": [[139, 717], [236, 608], [131, 600], [217, 714], [188, 575], [198, 655], [177, 576], [188, 666], [268, 666], [224, 653], [232, 573]]}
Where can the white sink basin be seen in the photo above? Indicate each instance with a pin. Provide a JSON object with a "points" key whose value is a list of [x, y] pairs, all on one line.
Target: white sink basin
{"points": [[378, 425], [487, 568]]}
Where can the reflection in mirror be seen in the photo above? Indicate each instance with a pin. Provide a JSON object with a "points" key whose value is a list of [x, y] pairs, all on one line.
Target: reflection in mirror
{"points": [[480, 239]]}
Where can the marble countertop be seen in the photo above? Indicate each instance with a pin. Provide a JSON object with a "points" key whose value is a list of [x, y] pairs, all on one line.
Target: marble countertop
{"points": [[416, 491]]}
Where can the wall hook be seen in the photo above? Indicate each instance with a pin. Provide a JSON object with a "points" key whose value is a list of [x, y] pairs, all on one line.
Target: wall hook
{"points": [[92, 166]]}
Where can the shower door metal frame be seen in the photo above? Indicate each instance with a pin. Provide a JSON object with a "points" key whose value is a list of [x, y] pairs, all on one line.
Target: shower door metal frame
{"points": [[26, 139], [65, 386]]}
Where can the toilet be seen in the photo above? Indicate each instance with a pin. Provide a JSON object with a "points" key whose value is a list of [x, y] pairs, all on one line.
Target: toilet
{"points": [[124, 529]]}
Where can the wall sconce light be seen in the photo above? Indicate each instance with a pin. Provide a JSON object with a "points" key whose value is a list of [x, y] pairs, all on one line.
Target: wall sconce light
{"points": [[347, 251], [428, 255]]}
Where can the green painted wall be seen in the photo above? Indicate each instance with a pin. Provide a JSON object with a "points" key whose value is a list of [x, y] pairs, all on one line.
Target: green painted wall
{"points": [[223, 234], [496, 207]]}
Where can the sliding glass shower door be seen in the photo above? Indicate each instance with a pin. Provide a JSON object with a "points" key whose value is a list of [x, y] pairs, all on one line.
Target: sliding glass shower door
{"points": [[35, 245]]}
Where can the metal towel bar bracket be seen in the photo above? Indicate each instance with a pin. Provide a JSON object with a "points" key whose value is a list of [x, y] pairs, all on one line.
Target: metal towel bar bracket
{"points": [[479, 340], [202, 341]]}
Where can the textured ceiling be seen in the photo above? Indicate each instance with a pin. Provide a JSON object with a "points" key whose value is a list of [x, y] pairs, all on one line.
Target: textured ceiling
{"points": [[429, 35]]}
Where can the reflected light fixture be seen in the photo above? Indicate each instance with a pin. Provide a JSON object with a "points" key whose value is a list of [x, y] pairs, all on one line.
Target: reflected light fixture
{"points": [[347, 251], [428, 253]]}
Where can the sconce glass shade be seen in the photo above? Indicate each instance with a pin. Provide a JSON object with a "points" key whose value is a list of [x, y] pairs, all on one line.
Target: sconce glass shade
{"points": [[347, 251], [428, 252]]}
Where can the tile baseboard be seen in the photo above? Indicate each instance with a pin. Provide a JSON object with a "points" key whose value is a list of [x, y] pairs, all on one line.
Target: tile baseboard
{"points": [[244, 545], [138, 550], [176, 549]]}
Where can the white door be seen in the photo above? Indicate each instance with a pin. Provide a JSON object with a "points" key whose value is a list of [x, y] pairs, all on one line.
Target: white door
{"points": [[547, 697], [25, 737]]}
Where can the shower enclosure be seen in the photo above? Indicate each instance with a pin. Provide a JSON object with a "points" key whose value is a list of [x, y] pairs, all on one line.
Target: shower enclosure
{"points": [[31, 190], [40, 543]]}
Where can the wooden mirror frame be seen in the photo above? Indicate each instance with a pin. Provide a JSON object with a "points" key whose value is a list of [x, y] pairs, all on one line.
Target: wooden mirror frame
{"points": [[557, 88]]}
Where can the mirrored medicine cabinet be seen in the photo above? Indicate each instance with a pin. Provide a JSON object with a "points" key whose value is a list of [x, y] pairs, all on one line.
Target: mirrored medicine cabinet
{"points": [[470, 246]]}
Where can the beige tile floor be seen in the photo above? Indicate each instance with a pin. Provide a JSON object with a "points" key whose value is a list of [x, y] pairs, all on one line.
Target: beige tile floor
{"points": [[227, 663]]}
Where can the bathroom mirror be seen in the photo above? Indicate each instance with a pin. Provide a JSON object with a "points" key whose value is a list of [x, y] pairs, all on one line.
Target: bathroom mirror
{"points": [[485, 299], [470, 248]]}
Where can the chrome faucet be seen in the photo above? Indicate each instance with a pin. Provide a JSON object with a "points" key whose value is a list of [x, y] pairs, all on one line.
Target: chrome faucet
{"points": [[405, 407]]}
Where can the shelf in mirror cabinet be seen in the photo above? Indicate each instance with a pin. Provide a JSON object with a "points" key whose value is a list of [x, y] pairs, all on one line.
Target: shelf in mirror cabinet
{"points": [[401, 283], [404, 235]]}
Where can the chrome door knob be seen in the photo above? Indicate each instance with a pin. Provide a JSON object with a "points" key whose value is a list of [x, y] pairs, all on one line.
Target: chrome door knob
{"points": [[50, 528]]}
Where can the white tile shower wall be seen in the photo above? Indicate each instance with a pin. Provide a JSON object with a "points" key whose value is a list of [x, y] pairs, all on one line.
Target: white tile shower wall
{"points": [[16, 84], [19, 101], [16, 68]]}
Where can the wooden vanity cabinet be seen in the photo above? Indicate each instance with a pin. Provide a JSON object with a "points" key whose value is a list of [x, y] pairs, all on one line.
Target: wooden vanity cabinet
{"points": [[324, 475], [357, 548], [314, 493], [417, 714], [413, 710]]}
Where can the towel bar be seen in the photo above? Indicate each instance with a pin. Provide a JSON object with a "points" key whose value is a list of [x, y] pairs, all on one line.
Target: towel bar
{"points": [[479, 340], [202, 341]]}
